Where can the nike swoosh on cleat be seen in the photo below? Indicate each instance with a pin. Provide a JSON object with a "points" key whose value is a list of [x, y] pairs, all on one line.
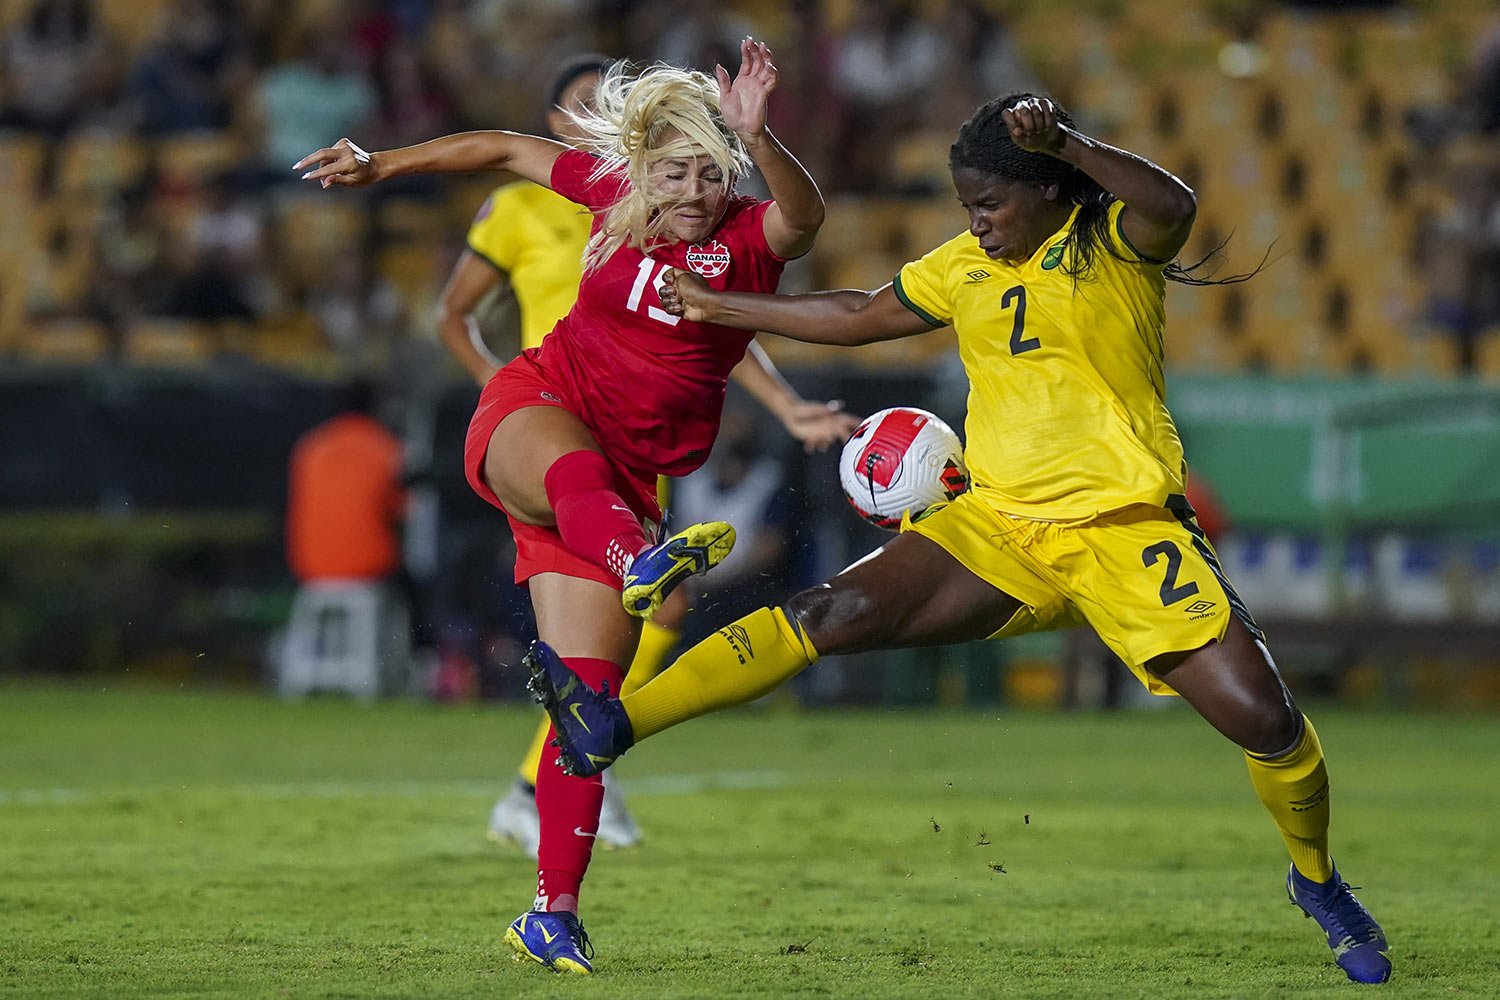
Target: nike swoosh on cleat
{"points": [[574, 709]]}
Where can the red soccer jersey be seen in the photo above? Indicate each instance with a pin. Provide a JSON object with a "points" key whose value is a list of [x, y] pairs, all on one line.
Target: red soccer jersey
{"points": [[650, 385]]}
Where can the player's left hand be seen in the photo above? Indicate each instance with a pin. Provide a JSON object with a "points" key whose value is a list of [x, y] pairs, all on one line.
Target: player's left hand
{"points": [[742, 103], [819, 426], [1033, 125]]}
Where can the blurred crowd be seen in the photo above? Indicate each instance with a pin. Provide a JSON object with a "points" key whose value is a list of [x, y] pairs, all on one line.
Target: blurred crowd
{"points": [[148, 142]]}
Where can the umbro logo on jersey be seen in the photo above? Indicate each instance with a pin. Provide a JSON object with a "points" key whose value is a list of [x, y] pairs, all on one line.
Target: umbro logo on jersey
{"points": [[549, 397], [978, 274], [708, 259]]}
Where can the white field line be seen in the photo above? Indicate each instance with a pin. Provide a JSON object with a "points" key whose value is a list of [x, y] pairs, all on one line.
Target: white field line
{"points": [[662, 784]]}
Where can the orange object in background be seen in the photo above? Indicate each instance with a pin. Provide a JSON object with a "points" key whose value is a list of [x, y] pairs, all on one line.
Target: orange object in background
{"points": [[345, 501]]}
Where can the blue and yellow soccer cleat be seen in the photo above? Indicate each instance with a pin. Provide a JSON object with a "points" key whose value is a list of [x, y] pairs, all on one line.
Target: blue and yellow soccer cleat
{"points": [[592, 728], [656, 572], [556, 941], [1357, 941]]}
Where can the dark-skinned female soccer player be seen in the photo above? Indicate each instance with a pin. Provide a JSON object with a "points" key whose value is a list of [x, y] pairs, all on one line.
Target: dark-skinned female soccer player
{"points": [[1076, 513]]}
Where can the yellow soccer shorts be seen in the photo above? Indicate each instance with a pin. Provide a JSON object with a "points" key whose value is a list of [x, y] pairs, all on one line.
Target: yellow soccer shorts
{"points": [[1144, 578]]}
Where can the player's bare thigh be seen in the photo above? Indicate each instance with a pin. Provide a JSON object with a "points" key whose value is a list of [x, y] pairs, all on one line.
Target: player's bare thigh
{"points": [[910, 592], [583, 618], [522, 448], [1234, 684]]}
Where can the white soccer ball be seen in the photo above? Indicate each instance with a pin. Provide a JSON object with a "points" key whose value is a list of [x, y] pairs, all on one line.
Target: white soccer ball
{"points": [[901, 460]]}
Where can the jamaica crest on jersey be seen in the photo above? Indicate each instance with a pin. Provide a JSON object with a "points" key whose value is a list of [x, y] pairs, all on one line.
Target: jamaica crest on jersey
{"points": [[709, 259]]}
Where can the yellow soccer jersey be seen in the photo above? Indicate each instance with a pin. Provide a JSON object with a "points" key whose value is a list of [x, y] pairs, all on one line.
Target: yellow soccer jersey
{"points": [[1067, 415], [537, 238]]}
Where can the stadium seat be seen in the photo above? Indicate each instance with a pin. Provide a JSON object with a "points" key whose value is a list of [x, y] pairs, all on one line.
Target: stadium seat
{"points": [[63, 341], [345, 635], [100, 163], [169, 343], [21, 159], [192, 157]]}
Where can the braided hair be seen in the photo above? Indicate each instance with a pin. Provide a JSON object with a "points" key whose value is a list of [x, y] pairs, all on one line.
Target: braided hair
{"points": [[984, 145]]}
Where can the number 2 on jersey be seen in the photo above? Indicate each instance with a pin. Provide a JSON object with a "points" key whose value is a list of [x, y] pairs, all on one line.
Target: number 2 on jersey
{"points": [[1019, 343], [644, 277]]}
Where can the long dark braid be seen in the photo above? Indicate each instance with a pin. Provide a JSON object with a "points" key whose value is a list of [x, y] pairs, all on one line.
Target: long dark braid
{"points": [[984, 144]]}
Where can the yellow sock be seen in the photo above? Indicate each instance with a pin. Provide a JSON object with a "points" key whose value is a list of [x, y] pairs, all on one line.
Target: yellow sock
{"points": [[1294, 788], [533, 758], [736, 664], [650, 656]]}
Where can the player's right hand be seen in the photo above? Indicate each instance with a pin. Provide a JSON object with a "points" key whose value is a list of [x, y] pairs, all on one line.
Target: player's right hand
{"points": [[685, 294], [343, 163]]}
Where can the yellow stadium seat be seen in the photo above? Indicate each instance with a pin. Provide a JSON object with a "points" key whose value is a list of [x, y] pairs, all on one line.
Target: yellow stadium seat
{"points": [[21, 158], [198, 156], [63, 341], [94, 163], [169, 342]]}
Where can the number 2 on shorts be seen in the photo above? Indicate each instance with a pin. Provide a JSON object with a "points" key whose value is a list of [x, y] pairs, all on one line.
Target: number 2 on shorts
{"points": [[1171, 593]]}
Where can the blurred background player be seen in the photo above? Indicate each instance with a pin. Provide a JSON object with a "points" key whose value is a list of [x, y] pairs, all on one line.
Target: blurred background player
{"points": [[569, 439], [1076, 514], [533, 239]]}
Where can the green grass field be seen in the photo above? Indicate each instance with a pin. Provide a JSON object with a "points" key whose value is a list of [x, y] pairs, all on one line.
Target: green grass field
{"points": [[158, 844]]}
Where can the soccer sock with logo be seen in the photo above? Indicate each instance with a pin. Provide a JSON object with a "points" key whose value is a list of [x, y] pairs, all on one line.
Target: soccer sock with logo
{"points": [[736, 664], [650, 655], [592, 519], [1293, 786], [569, 809]]}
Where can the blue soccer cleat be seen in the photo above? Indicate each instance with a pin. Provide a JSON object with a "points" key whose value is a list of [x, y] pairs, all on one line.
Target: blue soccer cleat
{"points": [[592, 727], [1356, 939], [656, 572], [556, 941]]}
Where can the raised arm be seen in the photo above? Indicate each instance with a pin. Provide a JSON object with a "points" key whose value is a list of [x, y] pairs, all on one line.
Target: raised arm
{"points": [[816, 424], [793, 220], [847, 317], [1159, 208], [345, 164]]}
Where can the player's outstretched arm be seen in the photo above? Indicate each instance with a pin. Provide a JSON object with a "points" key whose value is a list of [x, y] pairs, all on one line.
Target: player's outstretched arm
{"points": [[1159, 208], [347, 165], [818, 425], [792, 222], [847, 318]]}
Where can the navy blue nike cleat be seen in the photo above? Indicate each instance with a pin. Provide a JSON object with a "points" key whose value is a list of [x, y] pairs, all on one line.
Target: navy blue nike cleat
{"points": [[1357, 941], [592, 727], [556, 941]]}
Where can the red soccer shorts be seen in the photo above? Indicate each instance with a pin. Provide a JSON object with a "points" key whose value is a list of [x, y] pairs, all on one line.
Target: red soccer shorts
{"points": [[540, 549]]}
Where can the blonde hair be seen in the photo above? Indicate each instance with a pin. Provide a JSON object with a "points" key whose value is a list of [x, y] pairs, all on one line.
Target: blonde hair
{"points": [[638, 120]]}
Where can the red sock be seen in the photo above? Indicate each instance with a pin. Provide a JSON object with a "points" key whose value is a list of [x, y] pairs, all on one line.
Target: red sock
{"points": [[594, 521], [569, 807]]}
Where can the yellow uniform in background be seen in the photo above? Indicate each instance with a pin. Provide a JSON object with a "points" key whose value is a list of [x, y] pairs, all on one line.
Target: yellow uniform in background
{"points": [[536, 237], [1076, 508]]}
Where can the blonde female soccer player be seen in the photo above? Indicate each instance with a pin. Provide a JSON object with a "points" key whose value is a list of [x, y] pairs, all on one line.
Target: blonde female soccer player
{"points": [[536, 238], [569, 438], [1076, 514]]}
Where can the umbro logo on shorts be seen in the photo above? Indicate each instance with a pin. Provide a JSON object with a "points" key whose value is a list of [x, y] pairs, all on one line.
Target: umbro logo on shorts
{"points": [[1199, 609], [549, 397]]}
